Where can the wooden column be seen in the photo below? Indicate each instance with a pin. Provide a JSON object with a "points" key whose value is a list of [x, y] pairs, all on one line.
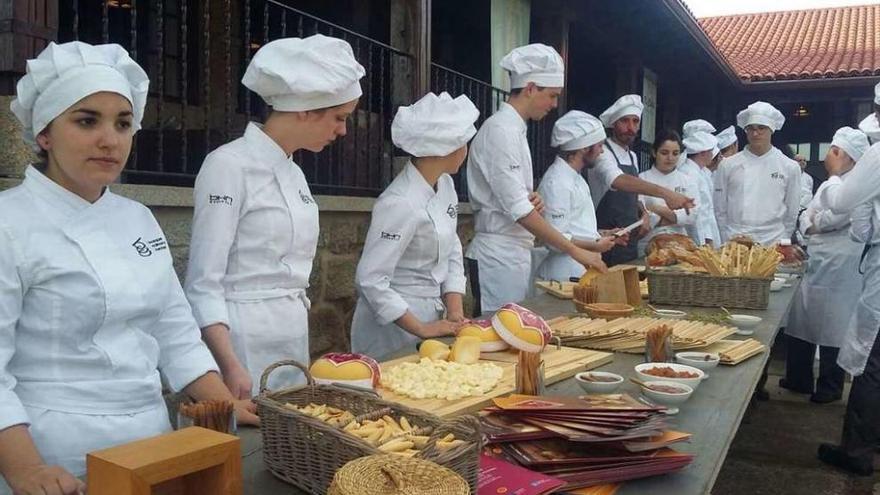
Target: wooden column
{"points": [[411, 33]]}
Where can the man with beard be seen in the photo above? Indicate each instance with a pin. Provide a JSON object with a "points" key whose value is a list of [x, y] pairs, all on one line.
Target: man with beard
{"points": [[578, 136], [614, 182]]}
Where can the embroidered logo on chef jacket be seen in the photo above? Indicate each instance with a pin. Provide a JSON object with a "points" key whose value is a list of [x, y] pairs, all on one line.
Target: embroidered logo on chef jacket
{"points": [[777, 175], [557, 216], [142, 249], [681, 189], [146, 248], [216, 199], [452, 211], [305, 198], [514, 166], [158, 244], [389, 236]]}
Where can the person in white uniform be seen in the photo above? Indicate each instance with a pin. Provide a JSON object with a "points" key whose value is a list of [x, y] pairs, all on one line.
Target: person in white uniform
{"points": [[830, 290], [727, 142], [859, 352], [666, 151], [91, 311], [410, 277], [507, 211], [255, 225], [870, 125], [701, 147], [688, 129], [614, 182], [806, 182], [758, 190], [578, 137]]}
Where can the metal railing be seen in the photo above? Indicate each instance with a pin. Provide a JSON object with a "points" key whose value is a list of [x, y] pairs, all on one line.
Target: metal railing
{"points": [[196, 51]]}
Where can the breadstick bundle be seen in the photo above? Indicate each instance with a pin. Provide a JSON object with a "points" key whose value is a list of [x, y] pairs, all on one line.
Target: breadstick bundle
{"points": [[658, 345], [211, 414], [530, 373]]}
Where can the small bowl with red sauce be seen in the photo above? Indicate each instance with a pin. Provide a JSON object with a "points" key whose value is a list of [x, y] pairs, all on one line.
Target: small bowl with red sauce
{"points": [[669, 394], [670, 372], [598, 382]]}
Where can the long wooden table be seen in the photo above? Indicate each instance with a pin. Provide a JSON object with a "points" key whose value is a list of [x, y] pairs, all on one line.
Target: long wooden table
{"points": [[712, 415]]}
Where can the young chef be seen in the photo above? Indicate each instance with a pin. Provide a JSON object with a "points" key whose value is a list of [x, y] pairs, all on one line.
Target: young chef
{"points": [[701, 147], [859, 351], [666, 151], [255, 227], [727, 142], [614, 183], [578, 136], [830, 290], [758, 190], [507, 213], [410, 277], [91, 310]]}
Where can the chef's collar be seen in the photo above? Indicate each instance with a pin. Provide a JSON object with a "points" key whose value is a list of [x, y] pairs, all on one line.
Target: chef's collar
{"points": [[567, 166], [266, 149], [421, 191], [45, 187], [508, 108]]}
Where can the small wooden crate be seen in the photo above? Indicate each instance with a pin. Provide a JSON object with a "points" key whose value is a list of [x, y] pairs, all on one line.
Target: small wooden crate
{"points": [[192, 461], [619, 285]]}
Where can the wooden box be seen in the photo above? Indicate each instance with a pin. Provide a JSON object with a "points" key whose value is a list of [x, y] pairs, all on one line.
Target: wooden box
{"points": [[192, 461], [619, 285]]}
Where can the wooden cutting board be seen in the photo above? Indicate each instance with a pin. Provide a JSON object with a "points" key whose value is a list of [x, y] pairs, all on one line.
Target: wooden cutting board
{"points": [[562, 290], [738, 350], [559, 364]]}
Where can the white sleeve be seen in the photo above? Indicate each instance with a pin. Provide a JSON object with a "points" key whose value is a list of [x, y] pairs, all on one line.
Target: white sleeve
{"points": [[12, 289], [861, 228], [503, 171], [557, 206], [391, 230], [455, 279], [606, 171], [828, 221], [217, 196], [792, 202], [720, 200], [862, 184]]}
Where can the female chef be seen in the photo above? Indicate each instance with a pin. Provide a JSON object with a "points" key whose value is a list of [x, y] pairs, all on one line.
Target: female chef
{"points": [[255, 226], [91, 311], [578, 136], [410, 278], [666, 152], [831, 286]]}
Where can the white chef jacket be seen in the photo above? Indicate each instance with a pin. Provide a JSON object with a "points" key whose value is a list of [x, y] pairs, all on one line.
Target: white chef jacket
{"points": [[412, 252], [91, 312], [705, 225], [806, 190], [602, 175], [758, 196], [499, 177], [861, 185], [569, 208], [254, 237], [679, 182]]}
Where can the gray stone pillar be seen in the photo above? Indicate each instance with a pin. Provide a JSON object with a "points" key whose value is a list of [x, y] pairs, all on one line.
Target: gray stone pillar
{"points": [[15, 155]]}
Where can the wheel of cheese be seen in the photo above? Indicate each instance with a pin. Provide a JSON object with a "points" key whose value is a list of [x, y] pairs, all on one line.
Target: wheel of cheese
{"points": [[357, 370], [521, 328], [483, 329]]}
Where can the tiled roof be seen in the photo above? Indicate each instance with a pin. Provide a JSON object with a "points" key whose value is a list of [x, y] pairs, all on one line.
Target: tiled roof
{"points": [[799, 44]]}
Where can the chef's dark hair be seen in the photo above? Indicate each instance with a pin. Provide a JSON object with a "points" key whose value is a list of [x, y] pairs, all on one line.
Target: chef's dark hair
{"points": [[666, 135]]}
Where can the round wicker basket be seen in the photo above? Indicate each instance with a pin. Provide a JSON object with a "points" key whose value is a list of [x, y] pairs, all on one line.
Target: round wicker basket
{"points": [[608, 311], [390, 474]]}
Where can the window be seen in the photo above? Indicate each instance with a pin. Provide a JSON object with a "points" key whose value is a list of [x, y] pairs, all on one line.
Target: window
{"points": [[823, 150], [803, 149]]}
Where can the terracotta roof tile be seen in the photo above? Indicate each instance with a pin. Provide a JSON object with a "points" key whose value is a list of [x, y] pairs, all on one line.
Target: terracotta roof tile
{"points": [[799, 44]]}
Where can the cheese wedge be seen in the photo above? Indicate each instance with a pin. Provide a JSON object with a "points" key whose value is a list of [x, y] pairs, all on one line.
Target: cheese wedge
{"points": [[434, 349], [521, 328], [483, 330], [465, 350]]}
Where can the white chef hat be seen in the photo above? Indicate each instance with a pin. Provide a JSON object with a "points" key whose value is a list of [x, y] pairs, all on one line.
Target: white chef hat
{"points": [[434, 125], [698, 142], [761, 113], [61, 75], [853, 141], [625, 105], [576, 130], [870, 126], [726, 137], [877, 94], [300, 74], [535, 63], [692, 126]]}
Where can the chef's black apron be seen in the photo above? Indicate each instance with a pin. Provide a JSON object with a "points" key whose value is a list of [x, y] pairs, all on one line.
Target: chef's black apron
{"points": [[619, 209]]}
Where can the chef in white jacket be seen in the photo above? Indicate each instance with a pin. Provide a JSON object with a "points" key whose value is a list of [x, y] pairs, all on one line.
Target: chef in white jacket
{"points": [[507, 211], [688, 129], [859, 351], [666, 151], [578, 137], [727, 142], [701, 147], [255, 226], [830, 290], [91, 311], [410, 277], [758, 190]]}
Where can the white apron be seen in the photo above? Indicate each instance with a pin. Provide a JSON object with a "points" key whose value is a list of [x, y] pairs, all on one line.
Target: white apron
{"points": [[829, 293], [865, 322], [504, 266], [370, 337]]}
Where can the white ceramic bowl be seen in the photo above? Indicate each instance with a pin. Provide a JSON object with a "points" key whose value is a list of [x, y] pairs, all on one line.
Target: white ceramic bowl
{"points": [[745, 323], [704, 361], [672, 314], [666, 398], [596, 387], [777, 284], [692, 382]]}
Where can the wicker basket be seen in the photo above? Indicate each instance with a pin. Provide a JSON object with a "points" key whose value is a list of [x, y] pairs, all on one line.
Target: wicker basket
{"points": [[695, 289], [306, 452], [608, 311], [389, 474]]}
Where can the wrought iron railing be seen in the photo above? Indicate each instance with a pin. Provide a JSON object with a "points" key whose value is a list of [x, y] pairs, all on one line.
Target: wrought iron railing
{"points": [[195, 52]]}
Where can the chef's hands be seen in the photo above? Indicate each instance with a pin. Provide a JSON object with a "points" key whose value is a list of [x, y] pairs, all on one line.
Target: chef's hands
{"points": [[41, 479], [645, 228], [246, 412], [676, 201], [604, 244], [439, 328], [237, 380], [589, 259], [537, 202]]}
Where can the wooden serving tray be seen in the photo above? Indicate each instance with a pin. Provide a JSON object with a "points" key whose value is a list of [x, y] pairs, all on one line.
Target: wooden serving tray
{"points": [[562, 290], [733, 352]]}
